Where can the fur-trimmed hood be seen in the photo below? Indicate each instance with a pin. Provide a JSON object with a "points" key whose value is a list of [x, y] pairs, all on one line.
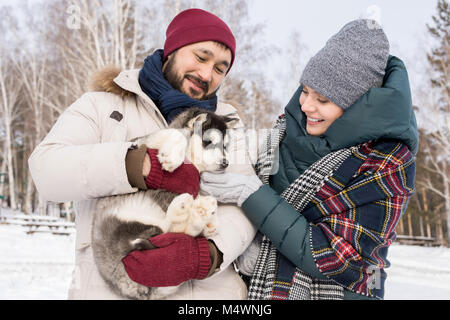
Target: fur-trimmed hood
{"points": [[125, 83], [103, 81]]}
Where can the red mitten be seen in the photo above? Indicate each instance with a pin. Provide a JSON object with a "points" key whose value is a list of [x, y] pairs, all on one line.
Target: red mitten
{"points": [[184, 179], [178, 258]]}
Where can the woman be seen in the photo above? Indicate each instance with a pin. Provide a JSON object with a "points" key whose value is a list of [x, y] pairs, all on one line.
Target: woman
{"points": [[336, 175]]}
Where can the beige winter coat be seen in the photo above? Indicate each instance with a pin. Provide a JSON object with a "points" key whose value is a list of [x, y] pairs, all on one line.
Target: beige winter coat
{"points": [[83, 158]]}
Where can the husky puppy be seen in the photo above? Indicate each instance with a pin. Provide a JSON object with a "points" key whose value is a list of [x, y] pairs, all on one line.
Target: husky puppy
{"points": [[124, 223]]}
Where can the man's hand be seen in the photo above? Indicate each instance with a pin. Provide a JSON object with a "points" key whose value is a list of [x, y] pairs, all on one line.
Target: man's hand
{"points": [[229, 187], [184, 179], [146, 166], [177, 259]]}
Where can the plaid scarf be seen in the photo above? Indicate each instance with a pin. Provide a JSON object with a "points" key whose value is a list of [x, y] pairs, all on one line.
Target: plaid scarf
{"points": [[274, 276], [353, 199]]}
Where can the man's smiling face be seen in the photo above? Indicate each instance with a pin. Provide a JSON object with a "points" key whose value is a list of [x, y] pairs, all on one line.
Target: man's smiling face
{"points": [[198, 69]]}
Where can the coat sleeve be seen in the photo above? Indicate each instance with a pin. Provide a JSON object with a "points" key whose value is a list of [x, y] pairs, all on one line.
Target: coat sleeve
{"points": [[288, 230], [72, 164]]}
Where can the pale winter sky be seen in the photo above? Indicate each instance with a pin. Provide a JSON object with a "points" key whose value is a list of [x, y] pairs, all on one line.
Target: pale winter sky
{"points": [[404, 22]]}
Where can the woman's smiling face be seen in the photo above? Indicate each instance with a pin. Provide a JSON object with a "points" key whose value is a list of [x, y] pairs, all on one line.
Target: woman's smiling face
{"points": [[320, 111]]}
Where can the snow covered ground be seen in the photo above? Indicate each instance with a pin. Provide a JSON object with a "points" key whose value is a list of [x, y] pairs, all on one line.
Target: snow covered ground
{"points": [[418, 273], [36, 266], [40, 266]]}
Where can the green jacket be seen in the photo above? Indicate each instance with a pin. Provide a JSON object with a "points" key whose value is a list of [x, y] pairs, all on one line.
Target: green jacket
{"points": [[381, 114]]}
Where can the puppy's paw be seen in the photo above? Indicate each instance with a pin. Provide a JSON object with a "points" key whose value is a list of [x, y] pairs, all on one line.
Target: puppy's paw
{"points": [[172, 154], [163, 292], [205, 206], [133, 290], [210, 227], [178, 213]]}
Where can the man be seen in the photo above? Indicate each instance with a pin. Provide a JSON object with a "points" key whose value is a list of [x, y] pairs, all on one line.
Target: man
{"points": [[89, 153]]}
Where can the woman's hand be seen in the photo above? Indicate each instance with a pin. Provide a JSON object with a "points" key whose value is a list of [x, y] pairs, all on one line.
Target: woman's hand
{"points": [[229, 187]]}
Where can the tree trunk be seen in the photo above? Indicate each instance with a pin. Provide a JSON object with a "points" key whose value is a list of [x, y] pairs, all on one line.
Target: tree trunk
{"points": [[428, 226], [8, 96], [28, 205], [2, 182], [410, 229], [447, 208], [9, 158], [421, 226], [42, 206], [427, 214], [439, 226], [400, 227], [447, 216]]}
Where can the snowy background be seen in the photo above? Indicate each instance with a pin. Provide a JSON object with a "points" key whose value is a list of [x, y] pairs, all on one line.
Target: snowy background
{"points": [[40, 266]]}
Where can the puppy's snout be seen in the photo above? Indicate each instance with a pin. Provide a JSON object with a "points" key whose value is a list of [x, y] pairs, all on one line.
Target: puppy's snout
{"points": [[225, 163]]}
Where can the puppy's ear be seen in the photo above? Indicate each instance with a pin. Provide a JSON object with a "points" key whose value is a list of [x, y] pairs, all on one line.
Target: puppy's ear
{"points": [[231, 120], [201, 118]]}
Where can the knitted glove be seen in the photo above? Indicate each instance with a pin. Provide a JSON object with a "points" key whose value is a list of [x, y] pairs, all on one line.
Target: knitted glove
{"points": [[177, 259], [184, 179], [229, 187]]}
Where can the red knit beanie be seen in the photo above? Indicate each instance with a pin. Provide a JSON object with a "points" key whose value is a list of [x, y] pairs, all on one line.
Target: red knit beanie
{"points": [[196, 25]]}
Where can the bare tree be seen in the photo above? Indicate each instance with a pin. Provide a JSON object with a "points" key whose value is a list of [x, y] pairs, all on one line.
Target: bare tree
{"points": [[96, 34], [437, 104], [9, 93], [437, 179], [32, 67]]}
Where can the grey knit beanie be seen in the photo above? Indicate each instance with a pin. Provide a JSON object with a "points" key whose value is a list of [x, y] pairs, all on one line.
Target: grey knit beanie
{"points": [[352, 62]]}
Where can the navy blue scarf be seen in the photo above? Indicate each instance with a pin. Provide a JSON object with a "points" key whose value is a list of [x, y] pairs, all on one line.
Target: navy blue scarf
{"points": [[170, 102]]}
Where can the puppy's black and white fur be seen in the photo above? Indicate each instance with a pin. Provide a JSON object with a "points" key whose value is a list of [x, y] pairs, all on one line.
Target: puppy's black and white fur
{"points": [[124, 223]]}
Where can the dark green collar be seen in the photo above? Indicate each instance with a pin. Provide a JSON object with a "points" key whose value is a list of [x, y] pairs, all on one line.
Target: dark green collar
{"points": [[384, 112]]}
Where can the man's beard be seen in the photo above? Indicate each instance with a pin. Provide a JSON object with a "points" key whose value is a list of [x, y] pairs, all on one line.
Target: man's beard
{"points": [[176, 81]]}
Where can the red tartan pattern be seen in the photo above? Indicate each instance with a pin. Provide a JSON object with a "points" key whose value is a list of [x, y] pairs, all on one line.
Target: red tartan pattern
{"points": [[355, 213]]}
